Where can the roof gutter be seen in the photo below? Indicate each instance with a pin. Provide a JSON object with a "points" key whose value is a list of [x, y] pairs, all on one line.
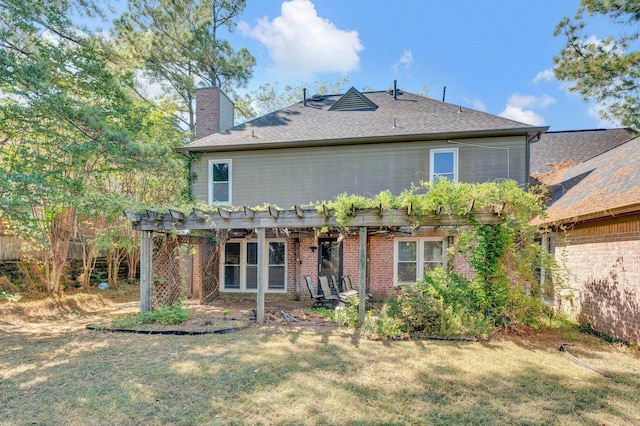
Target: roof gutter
{"points": [[628, 210], [531, 132]]}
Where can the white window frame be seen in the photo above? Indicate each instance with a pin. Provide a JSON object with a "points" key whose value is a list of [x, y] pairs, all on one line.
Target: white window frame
{"points": [[419, 256], [243, 266], [210, 182], [434, 151]]}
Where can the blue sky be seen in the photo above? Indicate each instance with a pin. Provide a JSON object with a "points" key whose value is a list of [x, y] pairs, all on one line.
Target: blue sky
{"points": [[492, 55]]}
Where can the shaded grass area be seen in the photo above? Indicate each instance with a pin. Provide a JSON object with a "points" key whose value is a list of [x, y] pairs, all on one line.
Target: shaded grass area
{"points": [[311, 375]]}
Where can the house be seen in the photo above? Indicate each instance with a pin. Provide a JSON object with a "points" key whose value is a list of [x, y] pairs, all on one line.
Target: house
{"points": [[594, 215], [355, 143], [561, 149]]}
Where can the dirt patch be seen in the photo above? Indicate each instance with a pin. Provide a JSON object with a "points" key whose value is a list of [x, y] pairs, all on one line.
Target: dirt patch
{"points": [[74, 313]]}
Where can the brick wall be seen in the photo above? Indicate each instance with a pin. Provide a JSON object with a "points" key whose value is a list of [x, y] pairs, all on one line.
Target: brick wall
{"points": [[207, 111], [602, 279], [292, 267], [308, 262], [351, 258], [196, 275], [380, 266]]}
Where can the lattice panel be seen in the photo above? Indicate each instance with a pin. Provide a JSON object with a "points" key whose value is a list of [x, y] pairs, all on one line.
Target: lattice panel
{"points": [[169, 266], [168, 270]]}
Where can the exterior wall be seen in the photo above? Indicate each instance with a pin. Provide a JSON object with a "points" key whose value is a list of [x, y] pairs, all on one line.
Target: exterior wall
{"points": [[308, 262], [214, 111], [380, 266], [227, 113], [380, 257], [291, 176], [207, 111], [603, 283]]}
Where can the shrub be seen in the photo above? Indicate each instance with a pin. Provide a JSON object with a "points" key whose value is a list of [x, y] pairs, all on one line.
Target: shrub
{"points": [[165, 315], [10, 297], [348, 315]]}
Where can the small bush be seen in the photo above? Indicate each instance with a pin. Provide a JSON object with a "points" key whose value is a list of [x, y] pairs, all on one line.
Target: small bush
{"points": [[165, 315], [382, 326], [348, 315], [10, 297]]}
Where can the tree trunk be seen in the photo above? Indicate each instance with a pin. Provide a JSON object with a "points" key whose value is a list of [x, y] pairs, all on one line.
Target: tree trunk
{"points": [[88, 261], [133, 258], [60, 234]]}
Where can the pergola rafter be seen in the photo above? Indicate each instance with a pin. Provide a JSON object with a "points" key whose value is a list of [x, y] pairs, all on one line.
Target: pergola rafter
{"points": [[295, 218]]}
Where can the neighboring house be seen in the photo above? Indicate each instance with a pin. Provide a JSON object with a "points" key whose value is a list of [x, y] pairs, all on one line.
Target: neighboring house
{"points": [[561, 149], [594, 213], [355, 143]]}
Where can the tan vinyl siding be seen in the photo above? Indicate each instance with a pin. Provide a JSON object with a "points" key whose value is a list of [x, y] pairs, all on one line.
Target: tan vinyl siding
{"points": [[226, 113], [295, 176]]}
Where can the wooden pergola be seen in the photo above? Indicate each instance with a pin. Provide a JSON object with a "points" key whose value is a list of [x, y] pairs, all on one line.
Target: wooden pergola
{"points": [[296, 218]]}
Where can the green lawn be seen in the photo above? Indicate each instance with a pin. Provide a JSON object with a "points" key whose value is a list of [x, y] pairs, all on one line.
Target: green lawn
{"points": [[305, 375]]}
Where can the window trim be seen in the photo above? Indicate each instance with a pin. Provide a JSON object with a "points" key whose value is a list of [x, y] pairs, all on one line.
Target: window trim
{"points": [[210, 182], [434, 151], [419, 256], [243, 266]]}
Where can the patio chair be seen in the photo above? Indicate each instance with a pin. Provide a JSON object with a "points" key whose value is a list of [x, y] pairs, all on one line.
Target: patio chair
{"points": [[350, 290], [335, 284], [319, 299], [326, 290], [342, 296]]}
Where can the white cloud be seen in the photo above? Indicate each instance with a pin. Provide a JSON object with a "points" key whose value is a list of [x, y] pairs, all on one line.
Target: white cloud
{"points": [[518, 114], [545, 75], [301, 43], [520, 108], [403, 66], [479, 105], [476, 104], [524, 101], [603, 123]]}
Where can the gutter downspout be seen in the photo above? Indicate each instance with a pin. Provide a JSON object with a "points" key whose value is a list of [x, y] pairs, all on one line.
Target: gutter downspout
{"points": [[527, 154]]}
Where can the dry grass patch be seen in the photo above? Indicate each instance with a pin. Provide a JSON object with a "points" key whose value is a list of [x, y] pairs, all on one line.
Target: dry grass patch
{"points": [[310, 375]]}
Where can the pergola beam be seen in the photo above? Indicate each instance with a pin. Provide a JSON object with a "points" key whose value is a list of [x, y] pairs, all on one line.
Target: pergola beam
{"points": [[301, 218]]}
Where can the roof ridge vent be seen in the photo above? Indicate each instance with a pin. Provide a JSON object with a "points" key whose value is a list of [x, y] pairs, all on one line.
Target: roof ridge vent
{"points": [[353, 100]]}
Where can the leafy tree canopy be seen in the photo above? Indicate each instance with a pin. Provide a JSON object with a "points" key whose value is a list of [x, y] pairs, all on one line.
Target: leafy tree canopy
{"points": [[607, 70], [178, 44]]}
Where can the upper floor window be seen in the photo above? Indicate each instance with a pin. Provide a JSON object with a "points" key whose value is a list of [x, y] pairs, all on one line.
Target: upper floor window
{"points": [[220, 182], [443, 163]]}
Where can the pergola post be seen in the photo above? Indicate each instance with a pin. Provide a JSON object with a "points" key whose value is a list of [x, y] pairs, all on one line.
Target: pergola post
{"points": [[362, 279], [262, 275], [146, 270]]}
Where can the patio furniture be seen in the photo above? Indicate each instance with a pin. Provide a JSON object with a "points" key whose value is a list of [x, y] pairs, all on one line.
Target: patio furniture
{"points": [[319, 298], [326, 289], [336, 284], [351, 291], [342, 296]]}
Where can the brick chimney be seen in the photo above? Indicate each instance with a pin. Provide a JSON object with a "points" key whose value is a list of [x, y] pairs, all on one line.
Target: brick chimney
{"points": [[214, 111]]}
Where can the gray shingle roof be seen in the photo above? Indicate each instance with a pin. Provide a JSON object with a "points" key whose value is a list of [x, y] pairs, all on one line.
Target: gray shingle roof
{"points": [[407, 117], [575, 146], [598, 187]]}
